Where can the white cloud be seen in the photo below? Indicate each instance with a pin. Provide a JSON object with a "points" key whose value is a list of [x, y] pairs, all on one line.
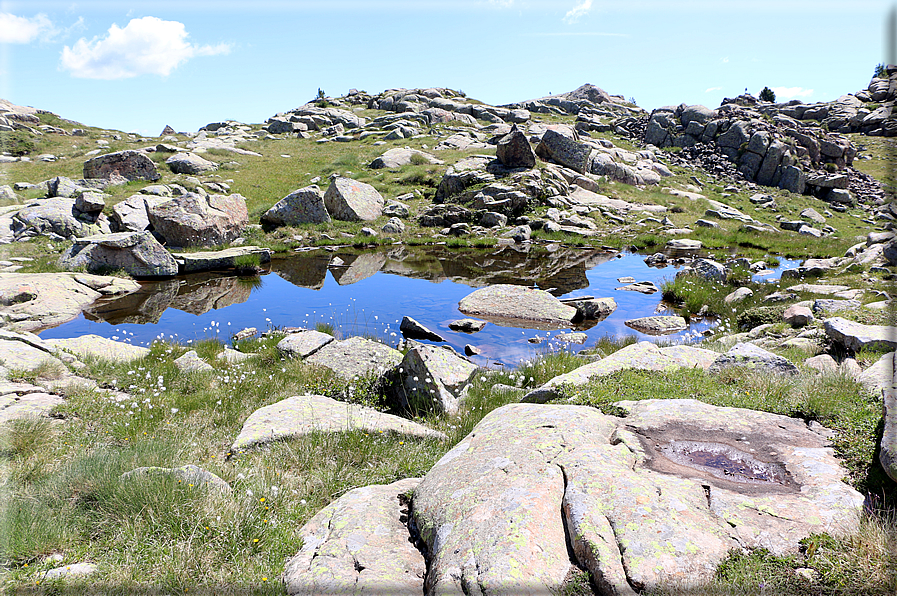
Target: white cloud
{"points": [[710, 89], [147, 45], [577, 11], [15, 29], [724, 60], [791, 92]]}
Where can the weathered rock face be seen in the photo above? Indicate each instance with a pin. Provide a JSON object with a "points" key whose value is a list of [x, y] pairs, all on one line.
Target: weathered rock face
{"points": [[412, 329], [304, 414], [431, 379], [350, 200], [359, 544], [132, 165], [514, 150], [56, 216], [513, 306], [194, 220], [305, 205], [131, 214], [631, 498], [190, 163], [564, 150], [137, 253]]}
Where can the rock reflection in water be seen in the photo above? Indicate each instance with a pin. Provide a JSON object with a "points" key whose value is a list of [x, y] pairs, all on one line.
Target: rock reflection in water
{"points": [[560, 270], [195, 294]]}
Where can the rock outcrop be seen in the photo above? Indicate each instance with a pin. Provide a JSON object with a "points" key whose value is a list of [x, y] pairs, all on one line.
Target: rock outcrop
{"points": [[304, 205], [350, 200], [129, 164], [196, 220], [136, 253]]}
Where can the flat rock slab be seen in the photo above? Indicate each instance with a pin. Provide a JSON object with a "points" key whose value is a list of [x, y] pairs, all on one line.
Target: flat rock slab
{"points": [[517, 306], [27, 352], [856, 336], [467, 325], [101, 347], [359, 544], [73, 570], [661, 325], [27, 405], [503, 509], [748, 355], [641, 356], [880, 379], [305, 414], [844, 292], [644, 287], [37, 301], [192, 262], [356, 357], [303, 344]]}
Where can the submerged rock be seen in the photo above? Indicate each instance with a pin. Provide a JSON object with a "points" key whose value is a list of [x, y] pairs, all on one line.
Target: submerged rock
{"points": [[659, 325], [513, 306]]}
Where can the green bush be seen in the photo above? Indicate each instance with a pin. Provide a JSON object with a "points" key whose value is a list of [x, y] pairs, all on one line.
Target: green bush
{"points": [[760, 315], [768, 95]]}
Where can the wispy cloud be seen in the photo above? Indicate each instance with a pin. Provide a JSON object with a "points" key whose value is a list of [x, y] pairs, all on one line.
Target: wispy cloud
{"points": [[578, 11], [791, 92], [711, 89], [578, 34], [502, 3], [21, 30], [724, 60], [147, 45]]}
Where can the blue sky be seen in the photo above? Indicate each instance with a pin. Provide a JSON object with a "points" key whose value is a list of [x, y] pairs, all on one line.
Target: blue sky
{"points": [[137, 66]]}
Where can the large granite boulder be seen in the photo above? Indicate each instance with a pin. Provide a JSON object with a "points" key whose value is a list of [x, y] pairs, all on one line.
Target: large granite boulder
{"points": [[304, 414], [129, 164], [303, 344], [514, 151], [132, 214], [359, 544], [856, 336], [430, 379], [517, 306], [304, 205], [350, 200], [747, 355], [195, 220], [660, 496], [137, 253], [564, 150], [190, 163], [356, 357], [56, 216]]}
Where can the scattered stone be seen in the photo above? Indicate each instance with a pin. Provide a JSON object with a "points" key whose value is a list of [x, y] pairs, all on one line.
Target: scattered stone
{"points": [[245, 333], [73, 570], [572, 338], [822, 363], [593, 309], [359, 544], [856, 336], [750, 356], [812, 215], [305, 205], [431, 378], [398, 157], [393, 226], [304, 414], [233, 356], [191, 362], [411, 329], [467, 325], [514, 151], [137, 253], [189, 474], [303, 344], [659, 325], [516, 306], [829, 305], [645, 287], [470, 350], [738, 295], [190, 163], [798, 316], [356, 357], [350, 200]]}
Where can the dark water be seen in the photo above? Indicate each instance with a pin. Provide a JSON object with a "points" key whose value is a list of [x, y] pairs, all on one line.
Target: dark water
{"points": [[368, 293]]}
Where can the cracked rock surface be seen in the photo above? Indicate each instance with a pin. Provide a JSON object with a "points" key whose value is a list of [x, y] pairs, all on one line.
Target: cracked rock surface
{"points": [[635, 500]]}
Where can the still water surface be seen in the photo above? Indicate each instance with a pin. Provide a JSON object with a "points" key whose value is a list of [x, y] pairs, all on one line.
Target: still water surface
{"points": [[368, 293]]}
